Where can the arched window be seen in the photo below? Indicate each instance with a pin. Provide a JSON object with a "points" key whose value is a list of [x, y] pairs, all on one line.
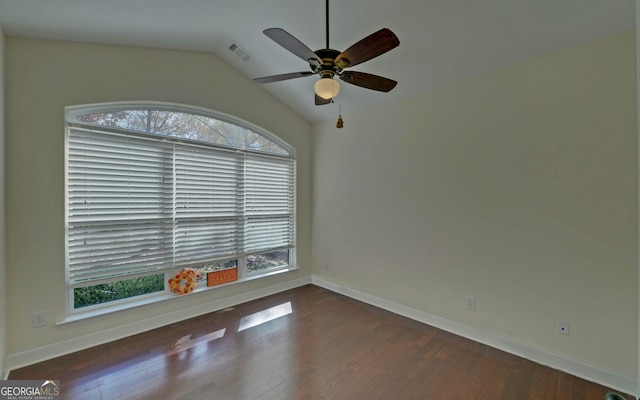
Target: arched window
{"points": [[153, 188]]}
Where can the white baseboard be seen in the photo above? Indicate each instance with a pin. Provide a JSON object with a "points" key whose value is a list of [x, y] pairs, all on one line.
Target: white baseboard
{"points": [[542, 356], [29, 357]]}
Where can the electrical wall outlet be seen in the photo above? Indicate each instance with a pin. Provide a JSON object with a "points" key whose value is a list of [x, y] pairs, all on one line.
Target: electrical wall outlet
{"points": [[39, 318], [471, 303], [563, 327]]}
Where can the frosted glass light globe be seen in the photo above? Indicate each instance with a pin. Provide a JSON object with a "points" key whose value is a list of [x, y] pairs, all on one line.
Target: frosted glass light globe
{"points": [[327, 88]]}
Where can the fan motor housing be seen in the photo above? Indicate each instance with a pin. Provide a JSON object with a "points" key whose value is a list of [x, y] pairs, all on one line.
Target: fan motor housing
{"points": [[328, 57]]}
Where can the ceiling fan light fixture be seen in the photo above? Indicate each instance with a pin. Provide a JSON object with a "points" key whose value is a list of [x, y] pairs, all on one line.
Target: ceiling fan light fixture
{"points": [[326, 87], [328, 62]]}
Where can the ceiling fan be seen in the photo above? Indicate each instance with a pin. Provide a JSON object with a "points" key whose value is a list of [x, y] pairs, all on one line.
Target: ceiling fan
{"points": [[329, 63]]}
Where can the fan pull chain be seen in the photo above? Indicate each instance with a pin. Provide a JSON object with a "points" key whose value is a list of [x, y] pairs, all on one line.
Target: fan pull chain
{"points": [[340, 123]]}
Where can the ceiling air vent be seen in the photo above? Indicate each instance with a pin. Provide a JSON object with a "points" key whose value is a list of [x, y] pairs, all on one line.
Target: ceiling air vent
{"points": [[239, 51]]}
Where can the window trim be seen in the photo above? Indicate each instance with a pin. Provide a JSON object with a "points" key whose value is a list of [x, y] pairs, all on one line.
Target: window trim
{"points": [[98, 311], [71, 112]]}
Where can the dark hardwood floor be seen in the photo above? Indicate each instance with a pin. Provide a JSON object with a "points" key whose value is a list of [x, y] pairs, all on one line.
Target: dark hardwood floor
{"points": [[306, 343]]}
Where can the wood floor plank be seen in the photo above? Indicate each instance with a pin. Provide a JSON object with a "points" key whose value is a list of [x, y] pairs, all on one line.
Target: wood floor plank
{"points": [[327, 347]]}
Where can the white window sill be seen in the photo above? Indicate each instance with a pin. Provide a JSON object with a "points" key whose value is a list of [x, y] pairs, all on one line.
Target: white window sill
{"points": [[108, 310]]}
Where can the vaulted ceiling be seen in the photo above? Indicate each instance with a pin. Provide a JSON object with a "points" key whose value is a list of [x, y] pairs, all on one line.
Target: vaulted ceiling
{"points": [[441, 41]]}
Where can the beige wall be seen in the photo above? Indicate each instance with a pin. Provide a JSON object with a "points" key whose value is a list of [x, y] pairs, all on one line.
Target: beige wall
{"points": [[517, 187], [45, 76], [3, 273], [637, 21]]}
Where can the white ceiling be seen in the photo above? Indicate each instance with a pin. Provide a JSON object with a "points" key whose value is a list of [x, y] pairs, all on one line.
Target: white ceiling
{"points": [[440, 40]]}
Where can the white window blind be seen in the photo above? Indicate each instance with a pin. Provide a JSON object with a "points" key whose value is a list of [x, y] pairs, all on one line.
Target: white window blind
{"points": [[138, 205], [268, 203], [208, 200]]}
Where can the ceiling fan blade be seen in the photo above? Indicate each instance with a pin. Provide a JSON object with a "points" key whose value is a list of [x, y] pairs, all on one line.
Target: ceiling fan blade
{"points": [[368, 81], [372, 46], [321, 101], [282, 77], [286, 40]]}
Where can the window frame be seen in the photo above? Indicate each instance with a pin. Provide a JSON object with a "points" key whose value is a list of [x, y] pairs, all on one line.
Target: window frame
{"points": [[71, 112]]}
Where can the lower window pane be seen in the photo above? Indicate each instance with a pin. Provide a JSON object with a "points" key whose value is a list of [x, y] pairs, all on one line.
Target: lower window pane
{"points": [[106, 292], [264, 261]]}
